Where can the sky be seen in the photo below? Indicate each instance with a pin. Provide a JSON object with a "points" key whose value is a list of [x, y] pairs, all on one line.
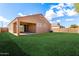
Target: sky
{"points": [[63, 13]]}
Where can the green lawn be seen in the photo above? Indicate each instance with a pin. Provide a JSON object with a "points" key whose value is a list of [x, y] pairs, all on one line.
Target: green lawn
{"points": [[46, 44]]}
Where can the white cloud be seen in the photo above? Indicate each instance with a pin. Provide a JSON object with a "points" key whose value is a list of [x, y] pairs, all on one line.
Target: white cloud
{"points": [[70, 4], [61, 5], [58, 21], [20, 14], [69, 20], [3, 21], [53, 6], [61, 11], [57, 6], [71, 12], [49, 14]]}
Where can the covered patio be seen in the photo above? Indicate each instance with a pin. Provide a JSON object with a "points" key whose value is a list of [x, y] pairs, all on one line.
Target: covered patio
{"points": [[24, 28]]}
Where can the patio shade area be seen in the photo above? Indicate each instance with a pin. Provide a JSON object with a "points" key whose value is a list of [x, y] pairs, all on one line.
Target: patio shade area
{"points": [[25, 27]]}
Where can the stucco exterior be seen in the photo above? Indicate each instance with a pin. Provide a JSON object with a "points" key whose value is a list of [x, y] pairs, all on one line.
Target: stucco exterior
{"points": [[34, 23]]}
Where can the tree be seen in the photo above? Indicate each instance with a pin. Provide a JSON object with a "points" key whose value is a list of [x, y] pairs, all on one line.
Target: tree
{"points": [[73, 26], [60, 25], [77, 6]]}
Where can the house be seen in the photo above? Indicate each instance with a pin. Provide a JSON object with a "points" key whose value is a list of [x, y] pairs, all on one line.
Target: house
{"points": [[23, 25]]}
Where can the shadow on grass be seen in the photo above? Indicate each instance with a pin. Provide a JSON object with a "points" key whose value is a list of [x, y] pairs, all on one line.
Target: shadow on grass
{"points": [[9, 48]]}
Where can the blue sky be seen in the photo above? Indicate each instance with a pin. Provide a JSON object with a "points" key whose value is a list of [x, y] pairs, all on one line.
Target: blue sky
{"points": [[54, 12]]}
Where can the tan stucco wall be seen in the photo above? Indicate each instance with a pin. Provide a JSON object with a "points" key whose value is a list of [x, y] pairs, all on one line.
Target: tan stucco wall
{"points": [[11, 26], [32, 28], [42, 27]]}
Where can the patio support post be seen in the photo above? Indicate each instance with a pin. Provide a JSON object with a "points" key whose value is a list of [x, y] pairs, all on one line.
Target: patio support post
{"points": [[18, 24]]}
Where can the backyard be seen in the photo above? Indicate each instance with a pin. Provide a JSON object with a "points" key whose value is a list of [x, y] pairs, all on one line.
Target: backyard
{"points": [[45, 44]]}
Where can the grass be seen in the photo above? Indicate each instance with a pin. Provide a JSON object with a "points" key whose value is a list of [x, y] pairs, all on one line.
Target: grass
{"points": [[46, 44]]}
